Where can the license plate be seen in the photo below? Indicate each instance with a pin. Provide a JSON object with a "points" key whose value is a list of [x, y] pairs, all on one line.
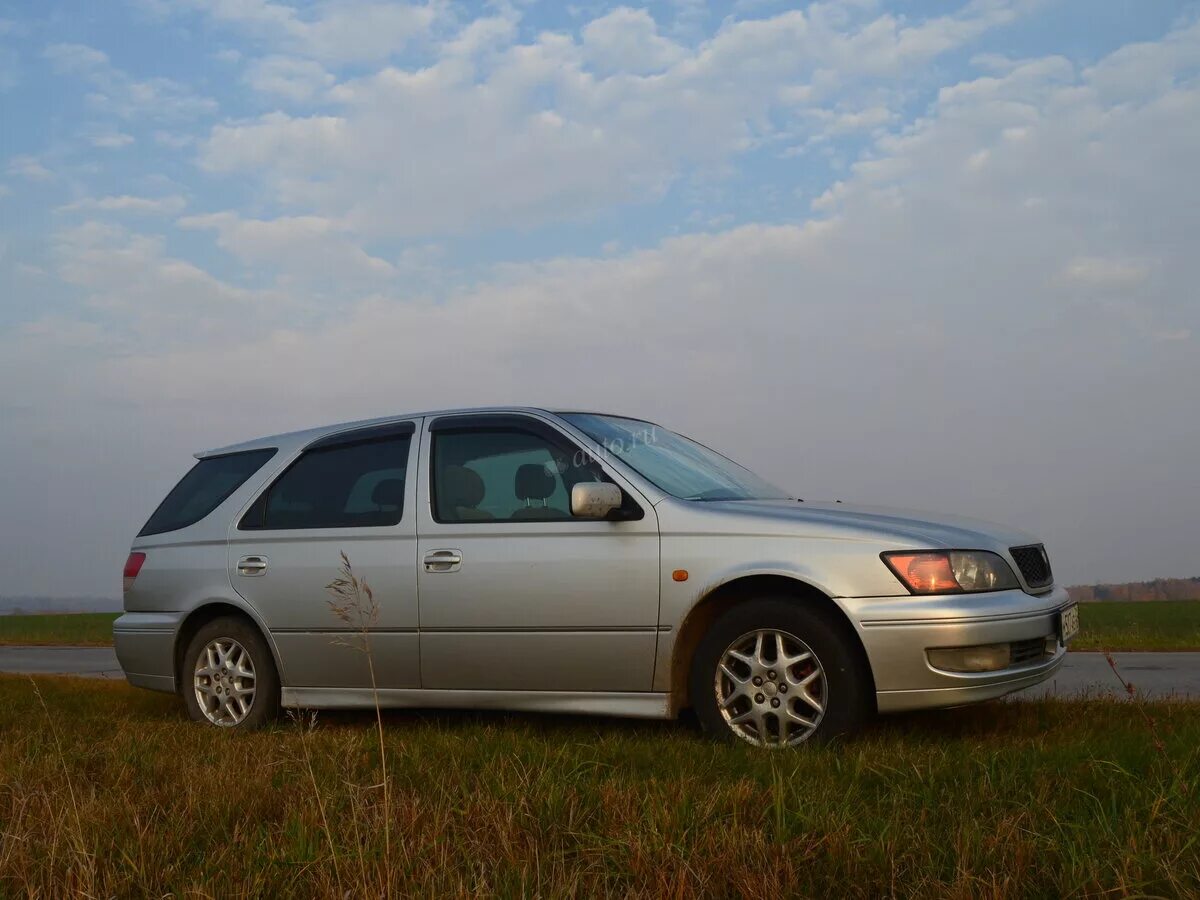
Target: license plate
{"points": [[1068, 624]]}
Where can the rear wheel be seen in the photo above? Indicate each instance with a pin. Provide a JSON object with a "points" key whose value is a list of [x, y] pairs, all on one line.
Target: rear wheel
{"points": [[775, 673], [228, 674]]}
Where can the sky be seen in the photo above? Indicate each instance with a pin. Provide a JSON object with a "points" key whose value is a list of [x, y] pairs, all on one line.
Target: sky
{"points": [[937, 255]]}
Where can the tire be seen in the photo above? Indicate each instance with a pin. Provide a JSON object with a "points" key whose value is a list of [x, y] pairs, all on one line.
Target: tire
{"points": [[238, 648], [789, 704]]}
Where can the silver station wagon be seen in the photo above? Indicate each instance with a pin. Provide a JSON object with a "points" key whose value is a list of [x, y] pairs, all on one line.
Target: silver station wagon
{"points": [[575, 562]]}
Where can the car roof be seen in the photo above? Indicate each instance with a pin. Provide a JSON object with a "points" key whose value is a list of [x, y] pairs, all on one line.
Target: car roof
{"points": [[307, 435]]}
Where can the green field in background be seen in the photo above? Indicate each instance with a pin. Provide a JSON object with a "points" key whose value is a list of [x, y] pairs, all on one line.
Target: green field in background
{"points": [[1158, 625], [1155, 625], [83, 629]]}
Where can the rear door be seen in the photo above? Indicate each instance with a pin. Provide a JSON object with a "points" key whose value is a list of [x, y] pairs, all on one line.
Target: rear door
{"points": [[347, 493], [516, 594]]}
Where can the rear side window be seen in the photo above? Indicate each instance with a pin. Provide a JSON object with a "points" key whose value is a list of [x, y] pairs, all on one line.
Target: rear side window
{"points": [[205, 487], [351, 485]]}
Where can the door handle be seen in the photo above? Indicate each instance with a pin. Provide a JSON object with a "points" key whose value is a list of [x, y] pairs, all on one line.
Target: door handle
{"points": [[252, 565], [443, 560]]}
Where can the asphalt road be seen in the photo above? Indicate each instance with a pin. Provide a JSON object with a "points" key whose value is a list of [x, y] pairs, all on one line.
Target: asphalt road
{"points": [[92, 662], [1155, 675]]}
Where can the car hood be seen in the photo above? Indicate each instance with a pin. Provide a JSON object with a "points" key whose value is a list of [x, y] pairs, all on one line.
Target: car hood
{"points": [[902, 525]]}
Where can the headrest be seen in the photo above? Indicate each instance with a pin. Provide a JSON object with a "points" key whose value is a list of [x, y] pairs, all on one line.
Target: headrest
{"points": [[389, 492], [533, 482], [461, 486]]}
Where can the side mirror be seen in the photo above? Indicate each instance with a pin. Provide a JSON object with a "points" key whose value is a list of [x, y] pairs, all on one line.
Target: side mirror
{"points": [[593, 500]]}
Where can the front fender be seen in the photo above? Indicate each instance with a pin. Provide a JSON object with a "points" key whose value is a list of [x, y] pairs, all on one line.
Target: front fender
{"points": [[780, 568]]}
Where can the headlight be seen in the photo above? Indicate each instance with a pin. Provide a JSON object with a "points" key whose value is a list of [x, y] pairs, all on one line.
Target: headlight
{"points": [[950, 571]]}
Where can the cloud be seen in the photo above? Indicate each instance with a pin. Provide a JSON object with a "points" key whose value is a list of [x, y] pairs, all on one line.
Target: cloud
{"points": [[171, 205], [116, 93], [1177, 334], [862, 120], [335, 30], [29, 167], [307, 247], [570, 127], [10, 65], [110, 140], [76, 59], [9, 69], [296, 80], [835, 123], [173, 140], [1148, 68], [128, 277], [483, 35], [1097, 272], [627, 40]]}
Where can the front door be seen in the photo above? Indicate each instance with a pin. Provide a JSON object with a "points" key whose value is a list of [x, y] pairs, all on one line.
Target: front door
{"points": [[348, 493], [515, 593]]}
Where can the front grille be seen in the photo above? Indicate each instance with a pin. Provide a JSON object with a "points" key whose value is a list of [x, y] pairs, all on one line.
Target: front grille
{"points": [[1034, 564], [1022, 652]]}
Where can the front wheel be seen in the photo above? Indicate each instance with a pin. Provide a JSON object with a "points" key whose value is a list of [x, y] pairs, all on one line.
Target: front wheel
{"points": [[229, 677], [775, 673]]}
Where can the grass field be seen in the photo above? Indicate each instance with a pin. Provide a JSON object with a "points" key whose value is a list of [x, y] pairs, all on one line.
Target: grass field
{"points": [[108, 791], [1159, 625], [84, 629], [1167, 625]]}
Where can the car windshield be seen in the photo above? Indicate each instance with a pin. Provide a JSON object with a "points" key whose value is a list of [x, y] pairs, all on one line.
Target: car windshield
{"points": [[672, 463]]}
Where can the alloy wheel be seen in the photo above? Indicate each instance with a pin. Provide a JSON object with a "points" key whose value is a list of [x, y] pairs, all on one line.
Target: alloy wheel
{"points": [[224, 682], [771, 689]]}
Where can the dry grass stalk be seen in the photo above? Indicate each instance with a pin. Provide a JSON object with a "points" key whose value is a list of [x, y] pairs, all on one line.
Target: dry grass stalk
{"points": [[353, 602], [1138, 701], [87, 861], [307, 723]]}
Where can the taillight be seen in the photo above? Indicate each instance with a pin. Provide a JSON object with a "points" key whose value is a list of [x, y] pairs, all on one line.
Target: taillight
{"points": [[133, 565]]}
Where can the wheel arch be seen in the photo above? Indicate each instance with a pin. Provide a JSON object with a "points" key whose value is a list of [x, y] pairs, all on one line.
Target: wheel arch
{"points": [[739, 590], [206, 612]]}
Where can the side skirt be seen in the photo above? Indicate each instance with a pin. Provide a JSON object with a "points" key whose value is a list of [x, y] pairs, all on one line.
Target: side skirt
{"points": [[631, 705]]}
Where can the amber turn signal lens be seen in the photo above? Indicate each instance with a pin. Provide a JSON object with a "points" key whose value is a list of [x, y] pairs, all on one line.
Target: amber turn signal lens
{"points": [[924, 573], [679, 575]]}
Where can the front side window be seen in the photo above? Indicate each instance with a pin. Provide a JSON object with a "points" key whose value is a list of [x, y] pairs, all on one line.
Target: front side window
{"points": [[205, 487], [358, 484], [674, 464], [505, 474]]}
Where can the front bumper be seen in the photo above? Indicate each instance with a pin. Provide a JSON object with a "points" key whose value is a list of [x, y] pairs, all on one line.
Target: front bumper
{"points": [[897, 631]]}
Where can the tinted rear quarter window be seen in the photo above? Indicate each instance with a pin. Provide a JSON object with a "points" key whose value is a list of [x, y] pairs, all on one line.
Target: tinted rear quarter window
{"points": [[205, 487]]}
